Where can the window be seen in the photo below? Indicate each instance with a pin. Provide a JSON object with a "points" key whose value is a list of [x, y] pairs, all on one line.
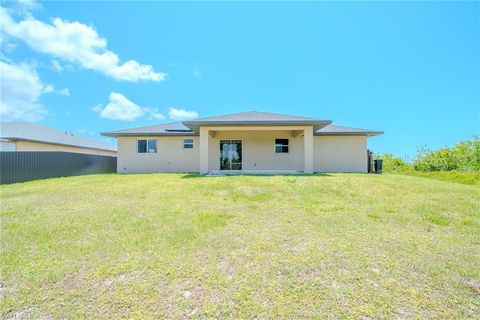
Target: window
{"points": [[147, 146], [281, 145], [188, 144]]}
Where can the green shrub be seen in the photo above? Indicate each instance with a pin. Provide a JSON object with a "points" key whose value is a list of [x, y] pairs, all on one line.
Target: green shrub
{"points": [[464, 156], [393, 164], [460, 163]]}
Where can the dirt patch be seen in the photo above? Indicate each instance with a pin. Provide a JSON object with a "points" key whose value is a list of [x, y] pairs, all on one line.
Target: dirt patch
{"points": [[5, 291], [122, 278], [226, 269], [474, 285], [248, 190], [25, 313], [295, 245]]}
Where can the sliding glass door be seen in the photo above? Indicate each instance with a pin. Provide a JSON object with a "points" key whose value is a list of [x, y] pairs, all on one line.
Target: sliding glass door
{"points": [[230, 154]]}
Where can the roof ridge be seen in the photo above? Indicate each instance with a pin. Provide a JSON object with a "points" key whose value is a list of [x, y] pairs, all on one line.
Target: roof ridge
{"points": [[277, 116]]}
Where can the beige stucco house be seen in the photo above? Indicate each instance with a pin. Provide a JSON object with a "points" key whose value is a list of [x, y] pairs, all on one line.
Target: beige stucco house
{"points": [[248, 142], [27, 136]]}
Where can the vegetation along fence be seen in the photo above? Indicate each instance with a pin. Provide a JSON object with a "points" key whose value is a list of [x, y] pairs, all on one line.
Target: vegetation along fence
{"points": [[25, 166]]}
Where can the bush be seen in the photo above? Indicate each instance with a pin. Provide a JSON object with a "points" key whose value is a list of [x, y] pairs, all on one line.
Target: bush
{"points": [[393, 164], [464, 156], [460, 163]]}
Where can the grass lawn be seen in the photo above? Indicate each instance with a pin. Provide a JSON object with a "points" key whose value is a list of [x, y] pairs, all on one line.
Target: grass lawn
{"points": [[471, 178], [170, 245]]}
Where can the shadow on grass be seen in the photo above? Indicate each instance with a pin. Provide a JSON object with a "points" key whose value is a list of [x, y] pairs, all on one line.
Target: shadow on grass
{"points": [[198, 175]]}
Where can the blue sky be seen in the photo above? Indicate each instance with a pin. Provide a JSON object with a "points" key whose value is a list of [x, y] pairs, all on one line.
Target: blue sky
{"points": [[409, 69]]}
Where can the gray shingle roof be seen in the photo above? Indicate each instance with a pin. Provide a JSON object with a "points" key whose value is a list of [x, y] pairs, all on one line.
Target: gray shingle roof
{"points": [[332, 130], [34, 132], [321, 127], [172, 129], [253, 116], [256, 118]]}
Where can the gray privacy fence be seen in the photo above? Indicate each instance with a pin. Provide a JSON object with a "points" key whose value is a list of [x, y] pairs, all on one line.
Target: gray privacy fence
{"points": [[30, 165]]}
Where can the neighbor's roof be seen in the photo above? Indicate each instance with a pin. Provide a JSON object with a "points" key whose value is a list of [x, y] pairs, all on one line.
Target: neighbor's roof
{"points": [[33, 132], [333, 130], [321, 127]]}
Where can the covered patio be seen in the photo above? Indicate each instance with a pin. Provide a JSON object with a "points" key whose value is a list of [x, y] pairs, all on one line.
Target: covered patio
{"points": [[256, 149]]}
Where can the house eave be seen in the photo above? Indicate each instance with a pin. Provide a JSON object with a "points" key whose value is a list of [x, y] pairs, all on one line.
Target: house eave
{"points": [[368, 134], [317, 124], [149, 134]]}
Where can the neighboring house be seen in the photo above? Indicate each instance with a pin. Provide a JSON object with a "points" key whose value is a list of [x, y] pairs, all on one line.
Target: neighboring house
{"points": [[248, 142], [26, 136]]}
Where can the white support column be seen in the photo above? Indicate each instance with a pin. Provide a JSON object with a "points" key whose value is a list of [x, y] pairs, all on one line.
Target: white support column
{"points": [[204, 135], [308, 149]]}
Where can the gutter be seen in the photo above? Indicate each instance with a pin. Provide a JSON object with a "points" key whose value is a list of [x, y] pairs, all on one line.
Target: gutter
{"points": [[367, 133]]}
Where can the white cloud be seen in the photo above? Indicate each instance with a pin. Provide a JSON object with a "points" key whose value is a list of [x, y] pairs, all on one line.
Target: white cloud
{"points": [[30, 4], [24, 7], [76, 43], [154, 114], [121, 108], [7, 46], [48, 89], [181, 114], [62, 92], [57, 66], [20, 89]]}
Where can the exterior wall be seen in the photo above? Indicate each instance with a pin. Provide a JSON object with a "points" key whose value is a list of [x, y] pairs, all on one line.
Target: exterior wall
{"points": [[258, 150], [39, 146], [170, 156], [340, 153], [330, 153]]}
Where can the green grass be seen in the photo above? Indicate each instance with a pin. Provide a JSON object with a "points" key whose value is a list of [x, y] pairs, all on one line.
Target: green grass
{"points": [[463, 177], [182, 246], [471, 178]]}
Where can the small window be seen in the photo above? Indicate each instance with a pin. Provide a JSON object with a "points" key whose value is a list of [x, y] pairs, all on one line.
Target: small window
{"points": [[281, 145], [147, 146], [152, 146], [142, 146], [188, 144]]}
